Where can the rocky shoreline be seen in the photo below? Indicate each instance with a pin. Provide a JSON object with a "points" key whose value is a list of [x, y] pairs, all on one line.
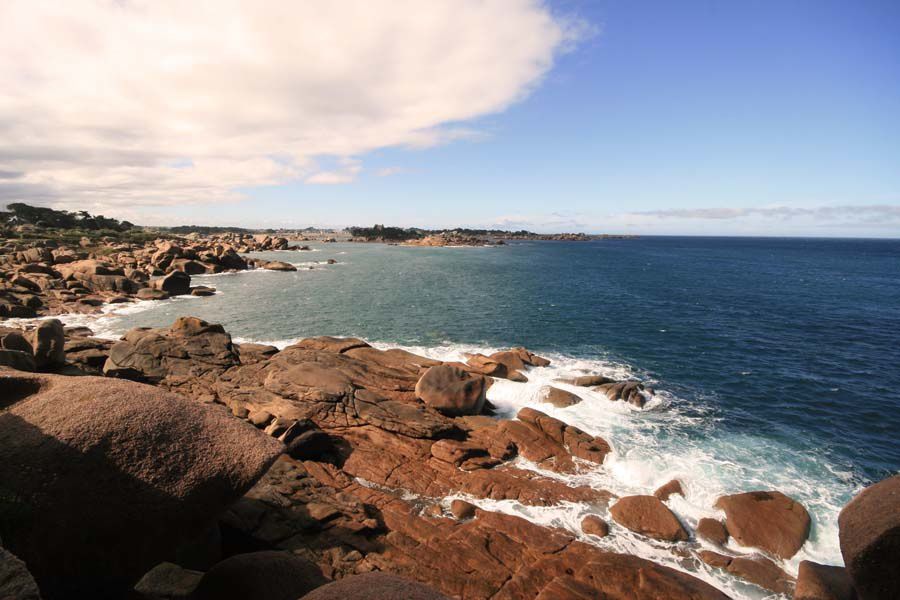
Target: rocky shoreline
{"points": [[176, 463], [346, 459], [45, 277]]}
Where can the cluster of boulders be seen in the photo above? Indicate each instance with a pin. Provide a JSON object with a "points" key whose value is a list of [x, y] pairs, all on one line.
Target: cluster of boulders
{"points": [[452, 238], [49, 278], [381, 458]]}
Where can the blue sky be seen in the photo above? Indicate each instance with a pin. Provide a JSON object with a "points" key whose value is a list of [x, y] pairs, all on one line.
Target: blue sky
{"points": [[743, 118]]}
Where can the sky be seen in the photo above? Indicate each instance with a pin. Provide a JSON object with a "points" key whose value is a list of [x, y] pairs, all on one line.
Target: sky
{"points": [[618, 116]]}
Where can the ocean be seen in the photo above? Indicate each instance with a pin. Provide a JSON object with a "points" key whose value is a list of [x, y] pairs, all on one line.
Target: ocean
{"points": [[776, 361]]}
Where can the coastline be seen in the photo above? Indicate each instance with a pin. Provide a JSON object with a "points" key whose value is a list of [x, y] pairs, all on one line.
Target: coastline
{"points": [[549, 518]]}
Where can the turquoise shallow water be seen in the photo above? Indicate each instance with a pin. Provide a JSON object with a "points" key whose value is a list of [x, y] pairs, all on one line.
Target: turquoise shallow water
{"points": [[776, 358]]}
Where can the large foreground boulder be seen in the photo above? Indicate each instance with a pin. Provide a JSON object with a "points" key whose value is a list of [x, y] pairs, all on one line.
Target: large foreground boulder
{"points": [[767, 520], [451, 391], [267, 575], [102, 479], [648, 516], [870, 540], [375, 586]]}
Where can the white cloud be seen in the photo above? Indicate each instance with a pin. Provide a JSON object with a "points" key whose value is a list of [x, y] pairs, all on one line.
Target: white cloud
{"points": [[125, 103]]}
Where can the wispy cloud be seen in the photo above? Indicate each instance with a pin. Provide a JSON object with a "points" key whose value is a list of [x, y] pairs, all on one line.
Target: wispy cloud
{"points": [[869, 213], [166, 102]]}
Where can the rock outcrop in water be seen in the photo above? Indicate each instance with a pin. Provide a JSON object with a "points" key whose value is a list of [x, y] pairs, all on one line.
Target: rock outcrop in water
{"points": [[46, 277], [769, 520]]}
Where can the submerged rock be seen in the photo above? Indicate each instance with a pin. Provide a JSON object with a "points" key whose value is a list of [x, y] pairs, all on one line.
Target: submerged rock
{"points": [[102, 479]]}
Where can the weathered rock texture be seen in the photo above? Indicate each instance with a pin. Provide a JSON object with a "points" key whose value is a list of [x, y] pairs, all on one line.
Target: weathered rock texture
{"points": [[102, 479]]}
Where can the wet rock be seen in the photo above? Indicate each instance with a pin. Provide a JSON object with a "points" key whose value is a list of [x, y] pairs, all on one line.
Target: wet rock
{"points": [[758, 570], [823, 582], [770, 521], [451, 391], [375, 586], [114, 456], [266, 575], [870, 539], [673, 487], [560, 398], [594, 525], [648, 516], [712, 530]]}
